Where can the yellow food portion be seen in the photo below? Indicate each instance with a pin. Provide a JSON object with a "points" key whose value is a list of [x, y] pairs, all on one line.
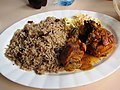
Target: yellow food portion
{"points": [[78, 20]]}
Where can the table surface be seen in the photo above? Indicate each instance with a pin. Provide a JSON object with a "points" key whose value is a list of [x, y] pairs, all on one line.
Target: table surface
{"points": [[12, 11]]}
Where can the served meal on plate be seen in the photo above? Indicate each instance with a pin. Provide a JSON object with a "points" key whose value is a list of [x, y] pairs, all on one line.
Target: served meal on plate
{"points": [[60, 44]]}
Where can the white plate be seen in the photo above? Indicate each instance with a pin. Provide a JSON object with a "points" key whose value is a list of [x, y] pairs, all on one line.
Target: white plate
{"points": [[30, 79]]}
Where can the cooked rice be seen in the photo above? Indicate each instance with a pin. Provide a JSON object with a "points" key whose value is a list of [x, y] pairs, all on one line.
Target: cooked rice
{"points": [[37, 46]]}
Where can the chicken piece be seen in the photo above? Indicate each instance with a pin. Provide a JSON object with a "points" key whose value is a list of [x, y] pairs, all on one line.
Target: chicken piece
{"points": [[88, 27], [100, 41], [72, 53]]}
